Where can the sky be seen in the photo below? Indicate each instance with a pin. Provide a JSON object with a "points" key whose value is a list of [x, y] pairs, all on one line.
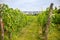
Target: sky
{"points": [[30, 5]]}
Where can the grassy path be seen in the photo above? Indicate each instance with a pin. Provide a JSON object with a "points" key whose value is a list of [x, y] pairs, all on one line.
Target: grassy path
{"points": [[30, 32]]}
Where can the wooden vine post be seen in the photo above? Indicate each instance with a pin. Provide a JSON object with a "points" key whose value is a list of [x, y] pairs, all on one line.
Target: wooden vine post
{"points": [[48, 22], [1, 22]]}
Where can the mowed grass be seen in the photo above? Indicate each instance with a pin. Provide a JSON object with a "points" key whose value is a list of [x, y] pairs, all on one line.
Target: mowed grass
{"points": [[30, 32]]}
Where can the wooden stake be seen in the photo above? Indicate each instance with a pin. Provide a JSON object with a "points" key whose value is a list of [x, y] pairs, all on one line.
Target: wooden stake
{"points": [[2, 29], [48, 22], [1, 22]]}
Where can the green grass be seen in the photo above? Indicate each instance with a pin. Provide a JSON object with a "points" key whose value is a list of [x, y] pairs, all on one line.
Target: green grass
{"points": [[30, 32]]}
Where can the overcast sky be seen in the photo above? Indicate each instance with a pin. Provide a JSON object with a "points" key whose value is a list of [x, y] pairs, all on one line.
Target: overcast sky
{"points": [[30, 5]]}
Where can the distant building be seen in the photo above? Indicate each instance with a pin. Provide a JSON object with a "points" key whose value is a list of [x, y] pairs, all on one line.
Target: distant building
{"points": [[31, 12]]}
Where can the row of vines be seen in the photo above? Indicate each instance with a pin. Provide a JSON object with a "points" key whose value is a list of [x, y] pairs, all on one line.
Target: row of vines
{"points": [[14, 21]]}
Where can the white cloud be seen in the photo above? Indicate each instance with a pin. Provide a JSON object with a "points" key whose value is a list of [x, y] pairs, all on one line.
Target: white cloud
{"points": [[30, 4]]}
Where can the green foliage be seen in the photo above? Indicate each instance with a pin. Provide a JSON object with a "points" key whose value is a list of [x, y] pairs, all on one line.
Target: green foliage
{"points": [[42, 18], [24, 26], [56, 19], [54, 26], [13, 19]]}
